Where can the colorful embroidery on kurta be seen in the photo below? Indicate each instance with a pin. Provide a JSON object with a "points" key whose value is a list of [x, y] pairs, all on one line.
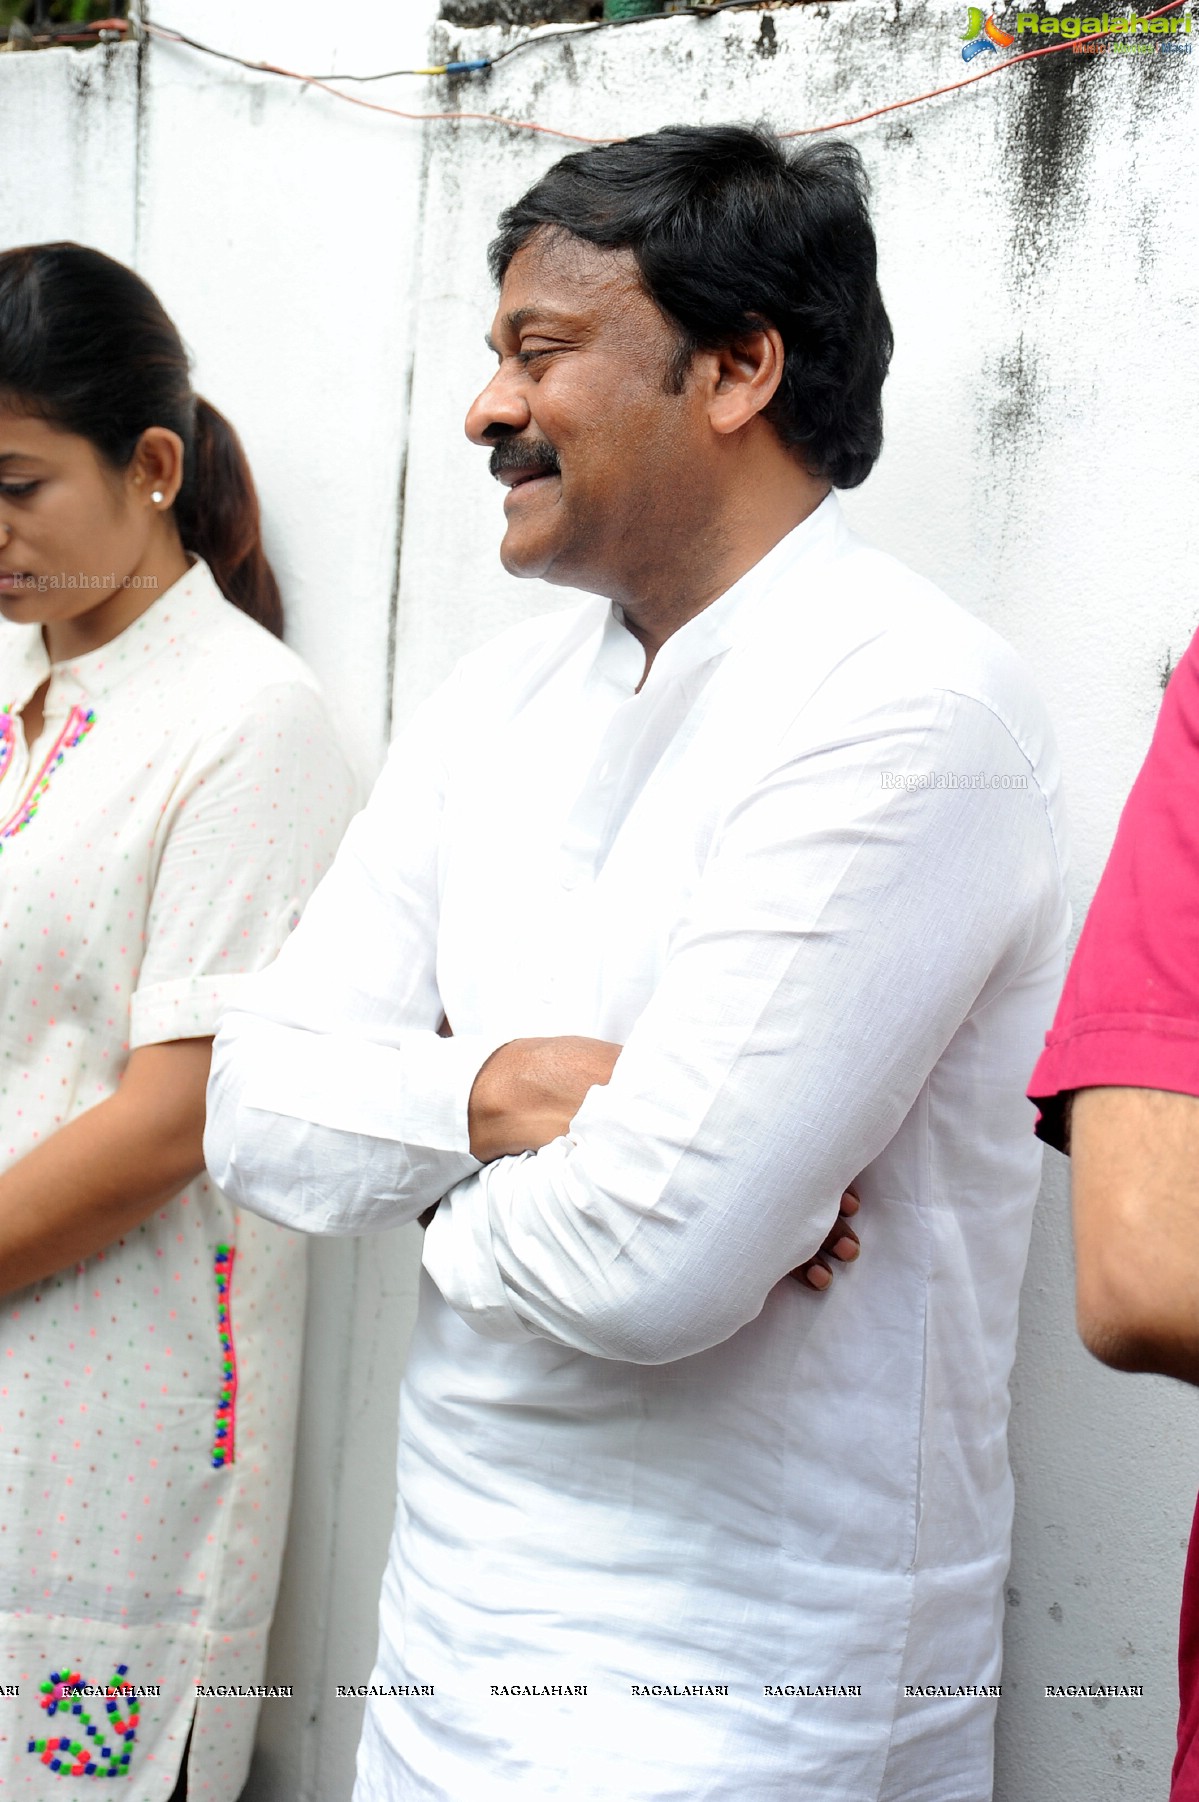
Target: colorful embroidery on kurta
{"points": [[86, 1751], [223, 1449], [8, 737], [80, 721]]}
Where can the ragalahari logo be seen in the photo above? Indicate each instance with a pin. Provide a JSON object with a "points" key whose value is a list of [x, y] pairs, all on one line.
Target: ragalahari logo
{"points": [[1122, 34], [982, 33]]}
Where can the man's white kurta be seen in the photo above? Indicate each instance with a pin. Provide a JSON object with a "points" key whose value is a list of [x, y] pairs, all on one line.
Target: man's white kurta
{"points": [[810, 877]]}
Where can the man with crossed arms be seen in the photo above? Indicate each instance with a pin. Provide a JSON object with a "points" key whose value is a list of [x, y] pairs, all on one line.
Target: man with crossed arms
{"points": [[736, 884]]}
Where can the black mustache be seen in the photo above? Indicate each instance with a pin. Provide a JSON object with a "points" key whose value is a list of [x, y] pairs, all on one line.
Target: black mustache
{"points": [[524, 453]]}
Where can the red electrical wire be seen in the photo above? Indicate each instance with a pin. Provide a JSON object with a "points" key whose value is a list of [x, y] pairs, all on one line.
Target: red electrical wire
{"points": [[575, 137], [1009, 62], [374, 106]]}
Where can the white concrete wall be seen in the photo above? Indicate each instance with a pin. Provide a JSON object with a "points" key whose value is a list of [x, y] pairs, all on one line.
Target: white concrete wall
{"points": [[281, 231], [1038, 236]]}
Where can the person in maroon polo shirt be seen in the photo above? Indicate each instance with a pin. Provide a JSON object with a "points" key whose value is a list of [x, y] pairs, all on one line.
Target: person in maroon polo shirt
{"points": [[1118, 1088]]}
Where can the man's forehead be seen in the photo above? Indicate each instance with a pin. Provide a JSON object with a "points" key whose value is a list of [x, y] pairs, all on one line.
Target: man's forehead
{"points": [[559, 280]]}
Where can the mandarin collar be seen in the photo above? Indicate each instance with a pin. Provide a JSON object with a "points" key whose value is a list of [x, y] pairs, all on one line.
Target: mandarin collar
{"points": [[95, 674], [717, 627], [30, 664]]}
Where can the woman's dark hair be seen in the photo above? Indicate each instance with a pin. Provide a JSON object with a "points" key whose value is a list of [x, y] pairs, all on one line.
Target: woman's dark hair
{"points": [[730, 231], [86, 345]]}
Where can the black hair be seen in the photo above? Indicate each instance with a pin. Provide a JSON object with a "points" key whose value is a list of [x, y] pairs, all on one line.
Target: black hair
{"points": [[86, 345], [731, 230]]}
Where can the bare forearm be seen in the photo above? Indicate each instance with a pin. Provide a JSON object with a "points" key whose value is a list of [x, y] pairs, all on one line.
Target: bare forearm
{"points": [[1136, 1228], [105, 1171], [528, 1091]]}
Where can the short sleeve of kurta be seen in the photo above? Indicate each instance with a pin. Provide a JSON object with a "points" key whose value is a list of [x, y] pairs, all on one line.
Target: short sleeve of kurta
{"points": [[1129, 1013], [255, 819]]}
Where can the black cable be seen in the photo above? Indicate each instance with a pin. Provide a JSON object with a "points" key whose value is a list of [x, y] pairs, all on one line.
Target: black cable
{"points": [[682, 12], [698, 11]]}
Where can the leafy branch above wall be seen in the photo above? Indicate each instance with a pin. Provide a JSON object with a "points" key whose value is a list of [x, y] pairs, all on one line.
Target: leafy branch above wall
{"points": [[40, 16]]}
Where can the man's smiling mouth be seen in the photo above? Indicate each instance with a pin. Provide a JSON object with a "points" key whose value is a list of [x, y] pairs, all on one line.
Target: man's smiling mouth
{"points": [[518, 463], [519, 478]]}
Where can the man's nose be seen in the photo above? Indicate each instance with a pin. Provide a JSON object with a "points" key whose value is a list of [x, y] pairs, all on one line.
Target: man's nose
{"points": [[501, 404]]}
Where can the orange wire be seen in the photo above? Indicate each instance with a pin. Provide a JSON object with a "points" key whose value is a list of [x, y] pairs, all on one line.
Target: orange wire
{"points": [[553, 131], [1009, 62], [395, 112]]}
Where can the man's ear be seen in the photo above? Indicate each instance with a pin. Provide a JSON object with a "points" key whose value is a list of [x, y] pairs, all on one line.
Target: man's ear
{"points": [[745, 378]]}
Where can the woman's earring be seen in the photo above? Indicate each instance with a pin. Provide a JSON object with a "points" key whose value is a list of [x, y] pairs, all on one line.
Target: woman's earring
{"points": [[158, 497]]}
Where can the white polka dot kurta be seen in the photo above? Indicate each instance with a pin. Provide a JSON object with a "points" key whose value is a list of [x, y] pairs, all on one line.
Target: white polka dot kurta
{"points": [[157, 842]]}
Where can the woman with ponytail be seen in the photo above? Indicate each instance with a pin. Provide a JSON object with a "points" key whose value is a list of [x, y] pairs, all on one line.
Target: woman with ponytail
{"points": [[170, 793]]}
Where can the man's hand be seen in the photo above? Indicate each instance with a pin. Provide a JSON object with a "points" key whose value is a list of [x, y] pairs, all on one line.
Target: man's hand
{"points": [[529, 1091], [842, 1243]]}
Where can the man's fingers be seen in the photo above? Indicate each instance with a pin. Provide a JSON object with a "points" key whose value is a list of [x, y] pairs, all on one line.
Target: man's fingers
{"points": [[842, 1243], [815, 1273]]}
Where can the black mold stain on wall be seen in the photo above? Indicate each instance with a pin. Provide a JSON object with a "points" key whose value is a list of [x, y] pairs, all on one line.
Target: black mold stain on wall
{"points": [[1168, 664], [1017, 383], [1048, 181], [1044, 166], [768, 43], [1157, 76], [92, 73], [1046, 147]]}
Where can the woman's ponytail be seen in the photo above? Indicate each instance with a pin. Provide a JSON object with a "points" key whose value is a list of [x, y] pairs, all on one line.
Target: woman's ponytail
{"points": [[217, 511]]}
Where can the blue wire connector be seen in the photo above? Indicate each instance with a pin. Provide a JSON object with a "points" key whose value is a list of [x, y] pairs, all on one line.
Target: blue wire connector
{"points": [[480, 62]]}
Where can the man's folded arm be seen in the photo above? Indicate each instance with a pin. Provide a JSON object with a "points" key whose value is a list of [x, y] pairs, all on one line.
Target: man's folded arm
{"points": [[333, 1133], [842, 930], [334, 1105]]}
